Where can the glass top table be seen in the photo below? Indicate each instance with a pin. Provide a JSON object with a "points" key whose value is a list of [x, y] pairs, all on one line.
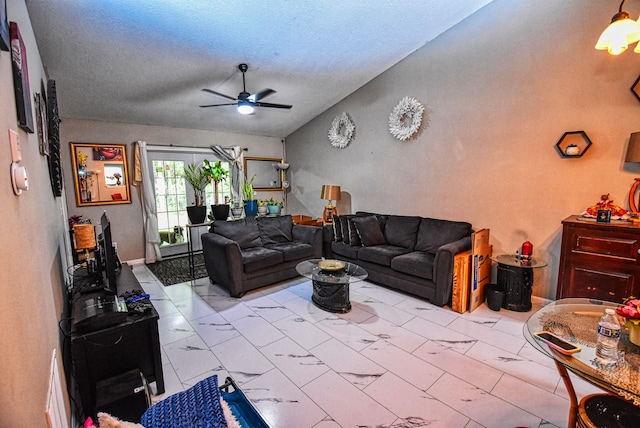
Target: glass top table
{"points": [[576, 320], [331, 287]]}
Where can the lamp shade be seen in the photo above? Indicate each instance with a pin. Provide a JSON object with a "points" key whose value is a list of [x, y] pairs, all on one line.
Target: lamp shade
{"points": [[330, 192], [633, 149], [85, 236], [622, 32]]}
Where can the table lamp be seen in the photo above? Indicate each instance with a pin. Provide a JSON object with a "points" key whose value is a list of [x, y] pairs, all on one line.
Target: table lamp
{"points": [[330, 193], [633, 155], [85, 239]]}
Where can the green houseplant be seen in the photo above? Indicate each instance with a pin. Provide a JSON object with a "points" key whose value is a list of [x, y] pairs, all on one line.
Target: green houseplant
{"points": [[262, 207], [274, 207], [250, 204], [198, 178], [217, 174]]}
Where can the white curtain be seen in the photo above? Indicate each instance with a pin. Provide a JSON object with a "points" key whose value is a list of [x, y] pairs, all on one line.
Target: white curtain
{"points": [[144, 179], [234, 155]]}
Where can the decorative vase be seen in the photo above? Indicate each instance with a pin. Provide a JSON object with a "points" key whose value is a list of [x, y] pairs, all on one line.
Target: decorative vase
{"points": [[634, 333], [220, 212], [236, 212], [572, 150], [197, 214], [274, 209], [251, 208], [262, 210]]}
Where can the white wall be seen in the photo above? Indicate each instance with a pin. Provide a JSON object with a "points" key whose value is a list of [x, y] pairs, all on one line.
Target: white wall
{"points": [[127, 218], [500, 89], [32, 250]]}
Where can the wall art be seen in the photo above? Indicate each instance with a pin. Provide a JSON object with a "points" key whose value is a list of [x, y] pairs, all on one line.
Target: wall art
{"points": [[55, 160], [405, 118], [42, 124], [5, 41], [342, 131], [636, 88], [21, 79]]}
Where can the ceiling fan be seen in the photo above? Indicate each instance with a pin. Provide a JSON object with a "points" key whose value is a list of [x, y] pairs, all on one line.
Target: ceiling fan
{"points": [[246, 102]]}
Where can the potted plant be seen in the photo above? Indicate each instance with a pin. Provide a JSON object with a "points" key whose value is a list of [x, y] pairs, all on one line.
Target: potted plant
{"points": [[262, 207], [236, 209], [250, 204], [197, 177], [217, 174], [275, 207]]}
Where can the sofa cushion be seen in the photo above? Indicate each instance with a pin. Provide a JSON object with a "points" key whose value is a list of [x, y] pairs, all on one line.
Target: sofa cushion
{"points": [[401, 231], [354, 238], [344, 227], [434, 233], [244, 231], [369, 230], [416, 263], [337, 229], [381, 254], [292, 250], [275, 229], [345, 250], [256, 258]]}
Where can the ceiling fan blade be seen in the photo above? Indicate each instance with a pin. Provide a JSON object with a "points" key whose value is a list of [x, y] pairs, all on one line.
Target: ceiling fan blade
{"points": [[285, 106], [218, 94], [218, 105], [260, 95]]}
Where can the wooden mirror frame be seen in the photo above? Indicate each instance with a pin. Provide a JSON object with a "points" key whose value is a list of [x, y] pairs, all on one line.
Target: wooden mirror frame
{"points": [[268, 177], [92, 186]]}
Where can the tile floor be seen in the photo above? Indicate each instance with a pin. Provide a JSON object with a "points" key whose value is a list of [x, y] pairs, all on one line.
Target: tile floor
{"points": [[393, 361]]}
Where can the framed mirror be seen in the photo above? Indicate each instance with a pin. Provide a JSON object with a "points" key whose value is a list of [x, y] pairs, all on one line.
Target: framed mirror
{"points": [[268, 176], [100, 174]]}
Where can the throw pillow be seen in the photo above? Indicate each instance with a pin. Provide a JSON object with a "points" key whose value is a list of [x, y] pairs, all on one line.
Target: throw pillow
{"points": [[401, 231], [337, 229], [354, 238], [344, 226], [434, 233], [369, 231], [274, 230], [245, 232]]}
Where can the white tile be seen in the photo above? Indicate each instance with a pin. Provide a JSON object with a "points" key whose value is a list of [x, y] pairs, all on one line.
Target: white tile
{"points": [[191, 357], [281, 403], [347, 333], [174, 327], [482, 407], [439, 334], [349, 364], [415, 407], [304, 308], [257, 331], [194, 308], [459, 365], [300, 365], [481, 332], [399, 336], [391, 297], [214, 329], [241, 359], [381, 309], [302, 331], [330, 391], [550, 407], [178, 292], [405, 365], [164, 306], [268, 308], [427, 311]]}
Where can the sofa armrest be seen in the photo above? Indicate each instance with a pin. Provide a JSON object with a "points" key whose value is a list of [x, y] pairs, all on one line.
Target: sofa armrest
{"points": [[443, 267], [223, 260], [311, 235]]}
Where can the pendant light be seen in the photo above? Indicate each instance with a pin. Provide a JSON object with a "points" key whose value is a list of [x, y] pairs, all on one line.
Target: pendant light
{"points": [[621, 32]]}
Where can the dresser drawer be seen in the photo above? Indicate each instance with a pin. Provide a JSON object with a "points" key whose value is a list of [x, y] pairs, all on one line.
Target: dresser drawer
{"points": [[600, 243]]}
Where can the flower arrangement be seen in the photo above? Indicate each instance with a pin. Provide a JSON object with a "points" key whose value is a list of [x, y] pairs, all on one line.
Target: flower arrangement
{"points": [[630, 311], [82, 160]]}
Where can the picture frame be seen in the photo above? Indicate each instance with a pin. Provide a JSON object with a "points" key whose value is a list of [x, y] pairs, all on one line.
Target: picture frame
{"points": [[42, 124], [604, 216], [5, 41], [21, 79], [635, 88]]}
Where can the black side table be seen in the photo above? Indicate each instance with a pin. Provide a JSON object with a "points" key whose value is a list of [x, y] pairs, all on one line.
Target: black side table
{"points": [[515, 276], [191, 252]]}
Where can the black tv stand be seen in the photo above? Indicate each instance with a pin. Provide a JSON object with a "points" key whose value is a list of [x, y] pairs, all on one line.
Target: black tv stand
{"points": [[108, 352]]}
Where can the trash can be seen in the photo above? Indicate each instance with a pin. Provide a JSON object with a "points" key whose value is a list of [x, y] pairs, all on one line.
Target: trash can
{"points": [[494, 295]]}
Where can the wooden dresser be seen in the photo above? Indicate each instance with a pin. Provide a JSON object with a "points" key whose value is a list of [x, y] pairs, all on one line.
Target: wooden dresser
{"points": [[599, 260]]}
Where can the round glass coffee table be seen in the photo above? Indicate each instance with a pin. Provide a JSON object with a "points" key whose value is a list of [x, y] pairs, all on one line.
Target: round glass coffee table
{"points": [[331, 284]]}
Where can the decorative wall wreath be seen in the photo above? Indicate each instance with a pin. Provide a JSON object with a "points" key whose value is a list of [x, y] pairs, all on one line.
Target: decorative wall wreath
{"points": [[406, 118], [342, 131]]}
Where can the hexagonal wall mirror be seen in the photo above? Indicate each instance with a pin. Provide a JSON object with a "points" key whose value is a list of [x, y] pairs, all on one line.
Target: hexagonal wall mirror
{"points": [[573, 144]]}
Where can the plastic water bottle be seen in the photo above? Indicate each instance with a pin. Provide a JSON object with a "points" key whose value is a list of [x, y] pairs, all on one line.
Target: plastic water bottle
{"points": [[608, 338]]}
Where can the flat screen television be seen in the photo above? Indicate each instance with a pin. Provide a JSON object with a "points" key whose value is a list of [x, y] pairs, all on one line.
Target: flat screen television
{"points": [[109, 257]]}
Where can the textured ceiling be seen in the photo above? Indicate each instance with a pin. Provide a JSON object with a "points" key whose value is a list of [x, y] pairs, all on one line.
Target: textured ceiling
{"points": [[146, 61]]}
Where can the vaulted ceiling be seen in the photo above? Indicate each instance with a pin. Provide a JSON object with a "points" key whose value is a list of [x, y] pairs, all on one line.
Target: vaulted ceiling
{"points": [[146, 61]]}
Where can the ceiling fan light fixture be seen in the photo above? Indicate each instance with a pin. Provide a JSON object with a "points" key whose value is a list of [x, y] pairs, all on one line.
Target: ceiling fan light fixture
{"points": [[621, 32], [245, 107]]}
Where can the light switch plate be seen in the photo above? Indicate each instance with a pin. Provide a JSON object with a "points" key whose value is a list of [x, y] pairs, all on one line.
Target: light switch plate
{"points": [[16, 155]]}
